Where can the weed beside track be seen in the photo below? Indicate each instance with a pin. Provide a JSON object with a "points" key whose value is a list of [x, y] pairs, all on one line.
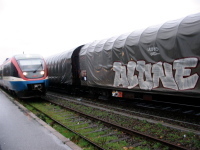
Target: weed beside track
{"points": [[189, 140], [107, 138]]}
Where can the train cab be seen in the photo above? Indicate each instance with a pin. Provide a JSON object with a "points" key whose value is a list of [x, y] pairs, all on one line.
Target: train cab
{"points": [[25, 75]]}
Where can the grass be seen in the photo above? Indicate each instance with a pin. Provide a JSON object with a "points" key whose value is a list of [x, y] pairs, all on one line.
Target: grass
{"points": [[68, 134], [59, 115], [157, 130]]}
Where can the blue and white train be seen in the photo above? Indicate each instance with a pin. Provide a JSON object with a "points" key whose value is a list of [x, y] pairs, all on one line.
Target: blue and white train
{"points": [[24, 75]]}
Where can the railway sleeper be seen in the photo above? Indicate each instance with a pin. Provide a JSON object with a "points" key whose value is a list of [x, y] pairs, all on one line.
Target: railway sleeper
{"points": [[149, 106], [87, 127], [166, 108], [114, 133], [176, 110], [77, 120], [70, 118], [117, 140], [135, 145], [78, 124], [81, 119], [57, 110], [70, 115], [188, 112], [96, 131], [198, 114]]}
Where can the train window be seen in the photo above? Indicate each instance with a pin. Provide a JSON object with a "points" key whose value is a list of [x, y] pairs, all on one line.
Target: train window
{"points": [[31, 64], [6, 70], [14, 72], [1, 74]]}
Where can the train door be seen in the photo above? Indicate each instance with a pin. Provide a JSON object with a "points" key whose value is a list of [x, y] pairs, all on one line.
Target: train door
{"points": [[76, 67]]}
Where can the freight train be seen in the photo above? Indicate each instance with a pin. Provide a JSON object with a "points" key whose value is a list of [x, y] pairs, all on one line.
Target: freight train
{"points": [[159, 60], [24, 75]]}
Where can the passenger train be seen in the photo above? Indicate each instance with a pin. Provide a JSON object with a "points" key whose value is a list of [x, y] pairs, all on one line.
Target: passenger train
{"points": [[24, 75], [157, 60]]}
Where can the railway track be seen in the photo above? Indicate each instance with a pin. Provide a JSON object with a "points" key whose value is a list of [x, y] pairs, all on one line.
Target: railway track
{"points": [[181, 109], [107, 134], [64, 102], [110, 135], [185, 114], [112, 132], [175, 120]]}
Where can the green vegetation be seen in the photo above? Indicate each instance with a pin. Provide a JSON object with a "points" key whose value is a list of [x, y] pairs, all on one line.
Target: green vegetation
{"points": [[68, 134], [74, 122], [157, 130], [84, 128]]}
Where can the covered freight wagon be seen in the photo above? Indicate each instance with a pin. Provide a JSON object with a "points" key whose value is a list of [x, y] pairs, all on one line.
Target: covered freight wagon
{"points": [[162, 59]]}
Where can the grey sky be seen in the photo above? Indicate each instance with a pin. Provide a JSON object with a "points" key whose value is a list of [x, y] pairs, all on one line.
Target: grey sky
{"points": [[47, 27]]}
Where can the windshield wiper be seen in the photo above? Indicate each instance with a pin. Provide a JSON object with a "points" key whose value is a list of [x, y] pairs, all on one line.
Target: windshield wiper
{"points": [[37, 68]]}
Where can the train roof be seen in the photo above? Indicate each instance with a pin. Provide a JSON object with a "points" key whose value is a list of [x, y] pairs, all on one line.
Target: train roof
{"points": [[27, 56], [164, 42], [170, 40], [61, 55], [22, 56]]}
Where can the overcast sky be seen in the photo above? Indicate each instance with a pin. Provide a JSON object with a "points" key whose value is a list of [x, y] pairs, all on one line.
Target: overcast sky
{"points": [[47, 27]]}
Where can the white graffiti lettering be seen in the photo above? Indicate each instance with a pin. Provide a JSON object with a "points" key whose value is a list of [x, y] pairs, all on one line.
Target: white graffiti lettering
{"points": [[153, 51], [120, 75], [152, 76]]}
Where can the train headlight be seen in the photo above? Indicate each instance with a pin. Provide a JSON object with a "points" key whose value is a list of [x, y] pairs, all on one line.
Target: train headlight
{"points": [[41, 72], [25, 73]]}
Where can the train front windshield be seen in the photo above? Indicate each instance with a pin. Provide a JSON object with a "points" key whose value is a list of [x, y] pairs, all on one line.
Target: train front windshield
{"points": [[32, 68]]}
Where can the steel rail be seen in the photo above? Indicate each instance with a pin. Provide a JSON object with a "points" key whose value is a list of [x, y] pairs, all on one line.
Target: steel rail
{"points": [[135, 112], [94, 144], [126, 130]]}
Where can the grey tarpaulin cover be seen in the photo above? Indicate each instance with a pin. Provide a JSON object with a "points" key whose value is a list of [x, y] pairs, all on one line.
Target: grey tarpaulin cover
{"points": [[163, 58], [59, 68], [159, 58]]}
